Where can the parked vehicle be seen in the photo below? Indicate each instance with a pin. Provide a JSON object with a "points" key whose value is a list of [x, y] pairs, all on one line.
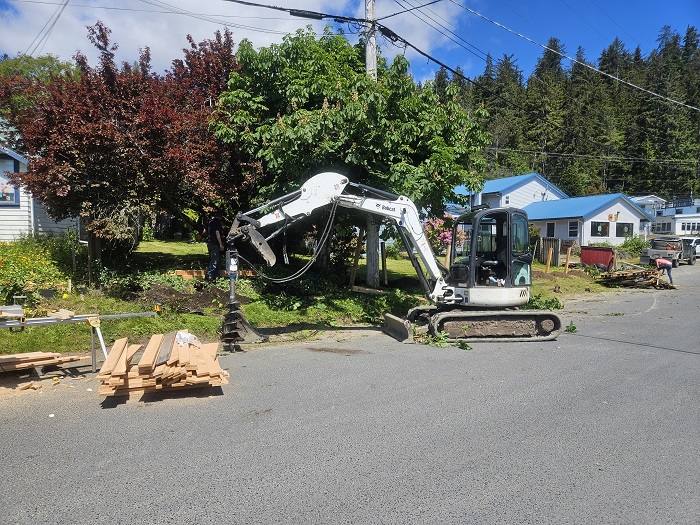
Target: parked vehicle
{"points": [[693, 243], [672, 248]]}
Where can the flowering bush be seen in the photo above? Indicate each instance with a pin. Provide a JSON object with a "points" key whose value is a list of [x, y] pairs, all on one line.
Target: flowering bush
{"points": [[439, 233]]}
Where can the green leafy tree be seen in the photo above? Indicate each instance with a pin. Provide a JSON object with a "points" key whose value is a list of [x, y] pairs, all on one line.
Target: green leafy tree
{"points": [[307, 105], [19, 78]]}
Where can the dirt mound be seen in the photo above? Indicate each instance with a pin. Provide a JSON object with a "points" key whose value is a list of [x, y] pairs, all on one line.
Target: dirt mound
{"points": [[194, 301], [542, 276]]}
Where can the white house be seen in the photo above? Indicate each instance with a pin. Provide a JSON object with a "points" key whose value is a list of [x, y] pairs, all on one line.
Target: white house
{"points": [[677, 217], [20, 213], [595, 219], [518, 191]]}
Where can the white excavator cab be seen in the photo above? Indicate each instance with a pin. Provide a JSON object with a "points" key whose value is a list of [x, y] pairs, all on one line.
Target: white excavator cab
{"points": [[490, 258]]}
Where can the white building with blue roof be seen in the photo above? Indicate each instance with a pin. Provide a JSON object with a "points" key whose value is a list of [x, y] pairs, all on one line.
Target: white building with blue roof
{"points": [[518, 191], [20, 214], [595, 219]]}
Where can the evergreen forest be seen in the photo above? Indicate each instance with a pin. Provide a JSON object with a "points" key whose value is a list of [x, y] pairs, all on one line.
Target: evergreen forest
{"points": [[633, 127]]}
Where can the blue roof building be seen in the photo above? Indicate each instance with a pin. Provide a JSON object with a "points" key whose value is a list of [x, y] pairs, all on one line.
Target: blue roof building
{"points": [[607, 218], [599, 218], [518, 191], [20, 213]]}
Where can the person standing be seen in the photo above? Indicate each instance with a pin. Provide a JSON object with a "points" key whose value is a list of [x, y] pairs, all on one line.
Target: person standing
{"points": [[215, 245], [663, 264]]}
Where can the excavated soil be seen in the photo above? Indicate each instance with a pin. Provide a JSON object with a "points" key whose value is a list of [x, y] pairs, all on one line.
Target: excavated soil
{"points": [[188, 302]]}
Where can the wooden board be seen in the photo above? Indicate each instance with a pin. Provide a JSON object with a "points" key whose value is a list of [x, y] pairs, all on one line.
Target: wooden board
{"points": [[189, 365], [150, 353], [113, 357]]}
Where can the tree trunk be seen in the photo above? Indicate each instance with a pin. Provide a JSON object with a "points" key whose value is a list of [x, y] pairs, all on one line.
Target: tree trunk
{"points": [[94, 257], [372, 253]]}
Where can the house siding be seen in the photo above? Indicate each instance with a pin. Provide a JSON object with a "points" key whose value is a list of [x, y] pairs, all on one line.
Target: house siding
{"points": [[533, 191], [622, 212], [519, 197], [627, 214], [16, 220]]}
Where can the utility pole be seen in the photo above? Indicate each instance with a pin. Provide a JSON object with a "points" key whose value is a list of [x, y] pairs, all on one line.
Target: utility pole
{"points": [[371, 46], [372, 227]]}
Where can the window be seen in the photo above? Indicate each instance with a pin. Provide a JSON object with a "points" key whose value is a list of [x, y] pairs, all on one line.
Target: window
{"points": [[659, 213], [507, 200], [550, 229], [9, 195], [600, 229], [521, 234], [682, 226], [573, 229], [623, 229], [679, 211]]}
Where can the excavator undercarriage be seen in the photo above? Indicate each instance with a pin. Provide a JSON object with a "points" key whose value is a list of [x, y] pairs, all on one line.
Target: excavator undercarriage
{"points": [[479, 325]]}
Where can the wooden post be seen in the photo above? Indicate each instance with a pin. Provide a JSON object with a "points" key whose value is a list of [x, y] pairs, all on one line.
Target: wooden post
{"points": [[549, 259], [568, 256], [448, 254], [358, 251], [382, 247]]}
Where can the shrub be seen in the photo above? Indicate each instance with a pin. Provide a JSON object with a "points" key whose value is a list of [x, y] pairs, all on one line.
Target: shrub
{"points": [[393, 250], [27, 266], [439, 233], [634, 245]]}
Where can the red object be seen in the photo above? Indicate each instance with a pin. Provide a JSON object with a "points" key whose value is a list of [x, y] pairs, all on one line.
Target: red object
{"points": [[592, 255]]}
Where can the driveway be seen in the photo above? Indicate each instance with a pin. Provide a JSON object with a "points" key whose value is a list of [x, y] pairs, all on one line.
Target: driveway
{"points": [[599, 426]]}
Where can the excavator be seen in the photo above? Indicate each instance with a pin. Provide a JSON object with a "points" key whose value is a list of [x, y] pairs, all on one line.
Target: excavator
{"points": [[474, 298]]}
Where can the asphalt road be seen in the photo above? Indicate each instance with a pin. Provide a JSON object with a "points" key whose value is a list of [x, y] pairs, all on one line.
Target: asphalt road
{"points": [[600, 426]]}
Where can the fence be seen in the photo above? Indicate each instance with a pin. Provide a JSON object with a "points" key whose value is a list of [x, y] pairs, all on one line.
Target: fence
{"points": [[545, 244]]}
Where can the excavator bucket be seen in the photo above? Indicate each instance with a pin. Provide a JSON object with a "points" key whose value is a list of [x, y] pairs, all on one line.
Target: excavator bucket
{"points": [[260, 244], [399, 329], [257, 240]]}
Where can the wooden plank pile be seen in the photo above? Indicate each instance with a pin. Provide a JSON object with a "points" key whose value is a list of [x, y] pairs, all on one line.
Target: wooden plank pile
{"points": [[36, 360], [634, 278], [164, 364]]}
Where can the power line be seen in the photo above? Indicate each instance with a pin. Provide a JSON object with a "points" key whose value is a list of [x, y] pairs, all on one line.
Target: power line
{"points": [[692, 164], [207, 18], [409, 10], [443, 27], [45, 32], [134, 10], [399, 2], [613, 21], [613, 77]]}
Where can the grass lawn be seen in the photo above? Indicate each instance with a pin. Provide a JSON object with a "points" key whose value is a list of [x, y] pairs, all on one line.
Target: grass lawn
{"points": [[306, 304]]}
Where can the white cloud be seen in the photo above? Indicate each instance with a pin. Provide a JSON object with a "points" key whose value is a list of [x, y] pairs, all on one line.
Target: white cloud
{"points": [[137, 24]]}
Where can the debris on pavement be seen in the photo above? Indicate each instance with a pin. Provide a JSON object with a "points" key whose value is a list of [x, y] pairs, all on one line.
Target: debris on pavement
{"points": [[635, 277]]}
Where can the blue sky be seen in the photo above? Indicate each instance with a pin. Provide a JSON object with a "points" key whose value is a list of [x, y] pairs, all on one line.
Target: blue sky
{"points": [[445, 29]]}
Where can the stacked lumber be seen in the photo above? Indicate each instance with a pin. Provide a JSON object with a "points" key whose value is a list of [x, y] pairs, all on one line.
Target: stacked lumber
{"points": [[164, 364], [636, 278], [14, 362]]}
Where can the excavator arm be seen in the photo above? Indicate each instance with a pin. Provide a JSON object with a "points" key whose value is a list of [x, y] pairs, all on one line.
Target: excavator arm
{"points": [[328, 188]]}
